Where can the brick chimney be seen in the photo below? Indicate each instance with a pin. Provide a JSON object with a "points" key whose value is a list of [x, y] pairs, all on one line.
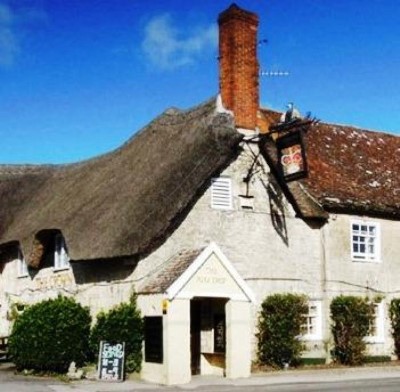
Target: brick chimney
{"points": [[238, 65]]}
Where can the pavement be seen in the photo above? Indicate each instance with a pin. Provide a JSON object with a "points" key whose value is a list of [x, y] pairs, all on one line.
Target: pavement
{"points": [[300, 376]]}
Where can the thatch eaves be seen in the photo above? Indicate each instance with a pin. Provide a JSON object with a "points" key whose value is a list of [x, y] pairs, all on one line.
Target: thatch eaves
{"points": [[125, 202]]}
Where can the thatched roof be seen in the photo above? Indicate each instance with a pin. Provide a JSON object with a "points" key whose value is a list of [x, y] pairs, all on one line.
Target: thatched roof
{"points": [[351, 170], [122, 203], [128, 201]]}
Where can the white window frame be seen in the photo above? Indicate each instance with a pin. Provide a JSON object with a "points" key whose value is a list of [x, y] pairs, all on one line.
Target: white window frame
{"points": [[22, 266], [314, 313], [61, 259], [363, 239], [379, 323], [221, 193]]}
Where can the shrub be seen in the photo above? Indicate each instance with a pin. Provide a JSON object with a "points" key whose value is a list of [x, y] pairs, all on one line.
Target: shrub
{"points": [[377, 359], [51, 334], [394, 313], [280, 325], [121, 324], [312, 361], [351, 319]]}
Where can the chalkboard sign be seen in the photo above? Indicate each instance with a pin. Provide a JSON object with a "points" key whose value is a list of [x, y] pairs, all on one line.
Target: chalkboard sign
{"points": [[111, 361], [219, 333]]}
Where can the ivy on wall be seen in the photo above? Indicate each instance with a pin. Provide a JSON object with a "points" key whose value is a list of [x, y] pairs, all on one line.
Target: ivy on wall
{"points": [[394, 314]]}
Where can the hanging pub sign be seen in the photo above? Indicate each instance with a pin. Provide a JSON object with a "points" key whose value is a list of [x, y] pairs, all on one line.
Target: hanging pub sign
{"points": [[291, 155], [111, 361]]}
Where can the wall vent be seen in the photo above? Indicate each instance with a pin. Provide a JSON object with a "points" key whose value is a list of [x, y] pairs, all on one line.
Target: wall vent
{"points": [[221, 193]]}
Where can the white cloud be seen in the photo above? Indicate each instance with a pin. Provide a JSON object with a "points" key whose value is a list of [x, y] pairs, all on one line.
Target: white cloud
{"points": [[168, 48], [11, 22], [9, 47]]}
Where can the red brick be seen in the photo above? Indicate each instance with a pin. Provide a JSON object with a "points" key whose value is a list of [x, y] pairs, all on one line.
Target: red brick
{"points": [[239, 69]]}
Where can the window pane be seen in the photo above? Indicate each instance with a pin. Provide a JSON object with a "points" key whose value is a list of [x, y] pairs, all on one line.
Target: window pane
{"points": [[365, 241]]}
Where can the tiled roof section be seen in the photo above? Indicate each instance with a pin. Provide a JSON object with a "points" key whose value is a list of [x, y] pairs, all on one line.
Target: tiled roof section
{"points": [[354, 170], [351, 170], [307, 205], [265, 118], [170, 272]]}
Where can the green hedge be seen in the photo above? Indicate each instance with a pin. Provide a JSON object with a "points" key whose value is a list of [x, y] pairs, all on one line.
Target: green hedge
{"points": [[121, 324], [394, 313], [312, 361], [377, 359], [351, 317], [280, 325], [51, 334]]}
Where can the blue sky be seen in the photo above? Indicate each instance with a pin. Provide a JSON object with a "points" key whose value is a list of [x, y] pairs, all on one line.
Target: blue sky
{"points": [[78, 78]]}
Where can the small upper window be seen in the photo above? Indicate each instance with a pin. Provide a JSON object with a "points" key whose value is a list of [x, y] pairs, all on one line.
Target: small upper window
{"points": [[221, 193], [61, 259], [312, 326], [365, 245], [22, 266]]}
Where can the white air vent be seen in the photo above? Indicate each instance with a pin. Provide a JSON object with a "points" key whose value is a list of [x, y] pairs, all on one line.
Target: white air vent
{"points": [[221, 193]]}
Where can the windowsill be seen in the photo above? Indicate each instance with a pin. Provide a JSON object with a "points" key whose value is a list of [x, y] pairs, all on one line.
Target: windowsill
{"points": [[57, 269], [213, 353], [311, 338], [374, 340], [364, 261]]}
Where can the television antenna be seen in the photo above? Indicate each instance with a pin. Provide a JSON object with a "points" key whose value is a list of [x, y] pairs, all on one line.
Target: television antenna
{"points": [[274, 73]]}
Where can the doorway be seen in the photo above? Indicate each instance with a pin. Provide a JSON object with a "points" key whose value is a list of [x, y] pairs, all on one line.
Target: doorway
{"points": [[207, 336]]}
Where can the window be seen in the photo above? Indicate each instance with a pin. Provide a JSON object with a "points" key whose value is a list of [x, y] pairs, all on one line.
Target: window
{"points": [[221, 193], [376, 328], [312, 327], [22, 266], [365, 241], [153, 339], [61, 259]]}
